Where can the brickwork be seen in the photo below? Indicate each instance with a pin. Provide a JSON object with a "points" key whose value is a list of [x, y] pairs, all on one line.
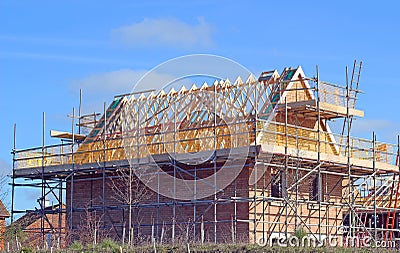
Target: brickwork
{"points": [[51, 230], [272, 214], [87, 194], [2, 230]]}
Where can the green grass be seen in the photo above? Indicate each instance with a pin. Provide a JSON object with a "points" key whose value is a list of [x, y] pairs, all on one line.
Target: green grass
{"points": [[110, 246]]}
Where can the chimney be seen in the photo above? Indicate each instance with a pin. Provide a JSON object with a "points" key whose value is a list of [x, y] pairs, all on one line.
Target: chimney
{"points": [[45, 203]]}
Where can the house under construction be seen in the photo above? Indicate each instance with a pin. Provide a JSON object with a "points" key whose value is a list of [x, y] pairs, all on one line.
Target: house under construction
{"points": [[229, 162]]}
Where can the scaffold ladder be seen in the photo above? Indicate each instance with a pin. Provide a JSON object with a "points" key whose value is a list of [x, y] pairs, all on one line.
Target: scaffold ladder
{"points": [[353, 88], [391, 215]]}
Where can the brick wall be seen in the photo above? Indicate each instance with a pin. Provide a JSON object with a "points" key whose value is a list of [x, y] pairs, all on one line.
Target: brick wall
{"points": [[54, 230], [2, 230], [88, 189]]}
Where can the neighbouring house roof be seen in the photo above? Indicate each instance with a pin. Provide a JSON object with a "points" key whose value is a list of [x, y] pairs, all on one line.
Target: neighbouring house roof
{"points": [[30, 217], [3, 211]]}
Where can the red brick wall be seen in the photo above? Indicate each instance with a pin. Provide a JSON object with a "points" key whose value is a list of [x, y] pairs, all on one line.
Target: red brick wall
{"points": [[51, 226], [2, 230], [87, 194]]}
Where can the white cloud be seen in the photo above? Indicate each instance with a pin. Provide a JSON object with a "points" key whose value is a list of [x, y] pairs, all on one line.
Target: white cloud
{"points": [[101, 87], [165, 32], [385, 130], [175, 73], [369, 125], [121, 81]]}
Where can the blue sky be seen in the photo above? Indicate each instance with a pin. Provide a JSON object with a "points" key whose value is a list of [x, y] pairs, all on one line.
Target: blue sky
{"points": [[49, 50]]}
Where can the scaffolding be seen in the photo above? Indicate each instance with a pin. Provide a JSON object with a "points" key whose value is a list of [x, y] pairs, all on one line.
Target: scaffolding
{"points": [[289, 171]]}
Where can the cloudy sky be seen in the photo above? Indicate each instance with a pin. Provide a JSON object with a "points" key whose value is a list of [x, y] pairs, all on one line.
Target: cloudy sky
{"points": [[49, 50]]}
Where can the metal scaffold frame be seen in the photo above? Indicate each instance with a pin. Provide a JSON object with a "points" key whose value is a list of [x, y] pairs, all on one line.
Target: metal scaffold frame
{"points": [[274, 110]]}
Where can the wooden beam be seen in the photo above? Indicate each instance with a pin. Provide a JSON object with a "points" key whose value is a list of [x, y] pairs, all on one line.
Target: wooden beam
{"points": [[66, 135]]}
